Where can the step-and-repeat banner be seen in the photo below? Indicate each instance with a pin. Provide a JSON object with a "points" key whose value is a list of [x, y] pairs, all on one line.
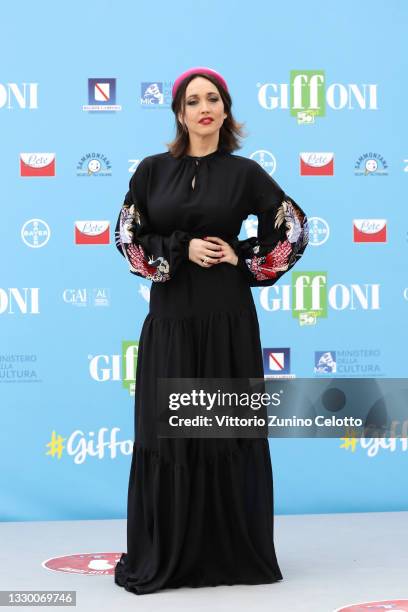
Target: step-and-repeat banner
{"points": [[85, 94]]}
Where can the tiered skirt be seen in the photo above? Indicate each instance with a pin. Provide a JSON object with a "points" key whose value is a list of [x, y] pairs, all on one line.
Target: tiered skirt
{"points": [[200, 510]]}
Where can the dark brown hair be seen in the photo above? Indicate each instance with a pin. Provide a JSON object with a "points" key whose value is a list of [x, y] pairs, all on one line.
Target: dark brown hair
{"points": [[230, 132]]}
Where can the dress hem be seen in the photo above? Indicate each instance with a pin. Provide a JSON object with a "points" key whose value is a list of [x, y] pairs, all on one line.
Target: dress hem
{"points": [[121, 580]]}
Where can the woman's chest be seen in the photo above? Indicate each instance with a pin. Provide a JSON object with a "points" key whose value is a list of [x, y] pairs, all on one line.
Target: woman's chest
{"points": [[195, 196]]}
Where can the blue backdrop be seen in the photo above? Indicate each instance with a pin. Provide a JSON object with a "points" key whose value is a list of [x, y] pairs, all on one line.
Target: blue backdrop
{"points": [[85, 93]]}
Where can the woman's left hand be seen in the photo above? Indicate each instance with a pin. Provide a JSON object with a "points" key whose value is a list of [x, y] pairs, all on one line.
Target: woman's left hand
{"points": [[228, 253]]}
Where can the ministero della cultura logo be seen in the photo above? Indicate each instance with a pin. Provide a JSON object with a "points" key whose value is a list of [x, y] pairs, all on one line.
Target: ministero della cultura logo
{"points": [[307, 95]]}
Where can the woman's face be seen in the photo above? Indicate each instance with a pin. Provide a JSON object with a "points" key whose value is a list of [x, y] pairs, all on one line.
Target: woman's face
{"points": [[202, 99]]}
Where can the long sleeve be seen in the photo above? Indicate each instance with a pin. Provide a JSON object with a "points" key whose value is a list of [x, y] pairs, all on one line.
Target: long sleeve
{"points": [[282, 236], [150, 255]]}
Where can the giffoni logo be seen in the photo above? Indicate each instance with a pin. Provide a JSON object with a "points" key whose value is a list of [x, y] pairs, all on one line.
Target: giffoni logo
{"points": [[309, 294], [16, 300], [122, 367], [14, 95], [130, 351], [307, 94]]}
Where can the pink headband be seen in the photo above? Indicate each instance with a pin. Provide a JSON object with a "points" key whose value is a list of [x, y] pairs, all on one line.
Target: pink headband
{"points": [[201, 69]]}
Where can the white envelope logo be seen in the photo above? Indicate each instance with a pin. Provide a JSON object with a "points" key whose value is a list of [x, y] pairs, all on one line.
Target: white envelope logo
{"points": [[370, 226], [37, 160], [317, 160], [92, 232]]}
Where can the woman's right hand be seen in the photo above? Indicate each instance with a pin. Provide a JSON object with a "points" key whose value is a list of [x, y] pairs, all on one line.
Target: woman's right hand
{"points": [[198, 249]]}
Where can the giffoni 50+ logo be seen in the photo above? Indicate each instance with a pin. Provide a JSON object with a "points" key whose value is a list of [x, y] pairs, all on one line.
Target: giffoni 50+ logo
{"points": [[307, 94], [309, 297], [122, 367]]}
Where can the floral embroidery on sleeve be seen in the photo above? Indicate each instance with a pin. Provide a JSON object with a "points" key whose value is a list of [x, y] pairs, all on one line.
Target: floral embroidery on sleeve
{"points": [[292, 223], [153, 268]]}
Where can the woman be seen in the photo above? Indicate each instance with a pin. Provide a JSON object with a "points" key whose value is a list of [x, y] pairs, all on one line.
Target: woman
{"points": [[200, 511]]}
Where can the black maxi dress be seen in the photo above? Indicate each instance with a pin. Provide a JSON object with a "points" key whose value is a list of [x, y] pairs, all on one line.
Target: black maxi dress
{"points": [[200, 511]]}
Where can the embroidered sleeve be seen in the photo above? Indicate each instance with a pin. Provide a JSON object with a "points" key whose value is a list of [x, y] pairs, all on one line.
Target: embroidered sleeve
{"points": [[282, 236], [150, 255]]}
